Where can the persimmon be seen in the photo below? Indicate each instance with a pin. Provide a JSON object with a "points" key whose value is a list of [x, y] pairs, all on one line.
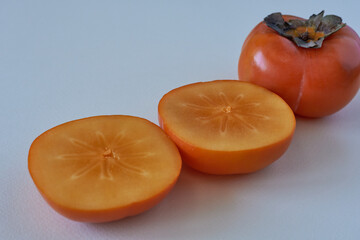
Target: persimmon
{"points": [[227, 126], [104, 168], [314, 65]]}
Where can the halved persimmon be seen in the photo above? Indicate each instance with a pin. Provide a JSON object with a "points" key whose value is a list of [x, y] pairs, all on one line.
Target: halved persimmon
{"points": [[227, 126], [104, 168]]}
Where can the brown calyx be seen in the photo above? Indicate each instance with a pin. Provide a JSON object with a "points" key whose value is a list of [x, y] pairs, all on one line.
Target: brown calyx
{"points": [[305, 33]]}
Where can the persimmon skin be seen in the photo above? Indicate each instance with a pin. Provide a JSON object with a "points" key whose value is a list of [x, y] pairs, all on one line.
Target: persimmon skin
{"points": [[314, 82]]}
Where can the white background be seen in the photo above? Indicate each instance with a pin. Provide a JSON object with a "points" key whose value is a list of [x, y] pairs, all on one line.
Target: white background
{"points": [[64, 60]]}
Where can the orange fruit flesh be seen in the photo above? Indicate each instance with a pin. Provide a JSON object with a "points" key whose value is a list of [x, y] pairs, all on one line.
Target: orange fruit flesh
{"points": [[104, 168], [227, 126]]}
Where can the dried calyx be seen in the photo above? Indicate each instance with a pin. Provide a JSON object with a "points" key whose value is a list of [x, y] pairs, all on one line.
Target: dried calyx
{"points": [[305, 33]]}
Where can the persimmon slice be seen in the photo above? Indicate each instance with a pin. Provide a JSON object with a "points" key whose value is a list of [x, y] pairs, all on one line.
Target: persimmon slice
{"points": [[227, 126], [104, 168]]}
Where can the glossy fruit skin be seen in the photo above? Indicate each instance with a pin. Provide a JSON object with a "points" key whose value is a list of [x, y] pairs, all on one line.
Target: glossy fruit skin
{"points": [[314, 82]]}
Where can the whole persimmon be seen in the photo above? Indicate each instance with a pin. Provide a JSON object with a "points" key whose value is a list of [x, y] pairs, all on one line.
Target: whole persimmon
{"points": [[314, 64]]}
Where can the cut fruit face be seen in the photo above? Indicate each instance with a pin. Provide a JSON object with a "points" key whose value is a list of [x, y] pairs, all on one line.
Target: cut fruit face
{"points": [[225, 116], [104, 168]]}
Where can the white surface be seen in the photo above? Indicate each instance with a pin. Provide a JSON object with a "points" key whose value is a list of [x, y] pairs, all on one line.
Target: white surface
{"points": [[65, 60]]}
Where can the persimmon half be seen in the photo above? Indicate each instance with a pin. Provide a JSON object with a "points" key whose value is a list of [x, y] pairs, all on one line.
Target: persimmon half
{"points": [[314, 65], [227, 126], [104, 168]]}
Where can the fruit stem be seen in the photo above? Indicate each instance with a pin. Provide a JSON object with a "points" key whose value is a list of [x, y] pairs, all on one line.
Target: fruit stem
{"points": [[308, 33]]}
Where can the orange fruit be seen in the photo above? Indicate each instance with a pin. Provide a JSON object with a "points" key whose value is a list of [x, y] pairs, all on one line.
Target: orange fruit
{"points": [[227, 126], [104, 168]]}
